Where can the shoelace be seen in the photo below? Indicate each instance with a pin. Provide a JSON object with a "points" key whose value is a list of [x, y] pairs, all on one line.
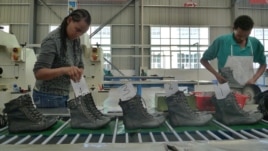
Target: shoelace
{"points": [[91, 104], [34, 113], [136, 103], [180, 97], [29, 106], [3, 121], [85, 110]]}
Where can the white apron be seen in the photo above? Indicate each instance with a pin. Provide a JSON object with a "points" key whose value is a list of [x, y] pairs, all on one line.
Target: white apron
{"points": [[242, 66]]}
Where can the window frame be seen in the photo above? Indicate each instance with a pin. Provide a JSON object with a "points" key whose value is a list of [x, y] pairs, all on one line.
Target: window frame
{"points": [[177, 40], [262, 35], [104, 33]]}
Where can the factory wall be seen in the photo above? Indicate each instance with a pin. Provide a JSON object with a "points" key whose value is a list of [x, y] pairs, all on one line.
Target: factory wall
{"points": [[216, 14], [16, 14]]}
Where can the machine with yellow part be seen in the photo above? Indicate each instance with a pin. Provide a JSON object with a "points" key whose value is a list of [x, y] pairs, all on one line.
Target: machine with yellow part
{"points": [[16, 65]]}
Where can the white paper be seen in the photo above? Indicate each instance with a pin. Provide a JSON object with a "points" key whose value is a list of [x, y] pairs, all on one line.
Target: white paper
{"points": [[222, 90], [171, 88], [127, 91], [80, 88]]}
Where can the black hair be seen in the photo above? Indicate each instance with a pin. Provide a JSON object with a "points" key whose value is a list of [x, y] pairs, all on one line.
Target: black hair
{"points": [[243, 22], [77, 15]]}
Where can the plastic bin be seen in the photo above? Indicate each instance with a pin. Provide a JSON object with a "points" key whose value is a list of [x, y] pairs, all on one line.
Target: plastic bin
{"points": [[204, 103]]}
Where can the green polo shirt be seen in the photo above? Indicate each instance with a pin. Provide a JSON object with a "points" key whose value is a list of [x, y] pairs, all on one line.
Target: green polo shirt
{"points": [[221, 49]]}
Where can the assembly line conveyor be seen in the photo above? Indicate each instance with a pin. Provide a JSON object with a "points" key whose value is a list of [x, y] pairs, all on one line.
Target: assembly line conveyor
{"points": [[62, 133]]}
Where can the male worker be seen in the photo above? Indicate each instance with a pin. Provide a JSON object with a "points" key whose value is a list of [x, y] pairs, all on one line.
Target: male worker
{"points": [[236, 53]]}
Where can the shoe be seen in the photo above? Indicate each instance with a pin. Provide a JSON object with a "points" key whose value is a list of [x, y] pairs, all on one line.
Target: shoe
{"points": [[135, 116], [227, 73], [229, 112], [22, 116], [92, 107], [181, 114], [83, 117]]}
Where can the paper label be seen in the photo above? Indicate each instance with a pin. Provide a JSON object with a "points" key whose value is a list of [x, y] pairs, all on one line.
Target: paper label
{"points": [[222, 90], [80, 88], [127, 91], [171, 88]]}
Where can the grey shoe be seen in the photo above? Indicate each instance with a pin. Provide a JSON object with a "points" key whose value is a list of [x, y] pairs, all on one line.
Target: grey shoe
{"points": [[92, 107], [230, 113], [82, 117], [262, 99], [136, 116], [227, 73], [3, 121], [23, 116], [181, 114]]}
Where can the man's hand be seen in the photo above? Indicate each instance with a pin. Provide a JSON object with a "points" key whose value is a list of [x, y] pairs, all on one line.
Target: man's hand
{"points": [[220, 79], [251, 81]]}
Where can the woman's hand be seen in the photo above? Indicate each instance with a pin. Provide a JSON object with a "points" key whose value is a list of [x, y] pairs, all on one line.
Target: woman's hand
{"points": [[74, 72]]}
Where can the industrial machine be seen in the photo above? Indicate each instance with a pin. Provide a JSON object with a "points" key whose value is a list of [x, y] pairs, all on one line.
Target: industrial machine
{"points": [[93, 60], [16, 66], [93, 72]]}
